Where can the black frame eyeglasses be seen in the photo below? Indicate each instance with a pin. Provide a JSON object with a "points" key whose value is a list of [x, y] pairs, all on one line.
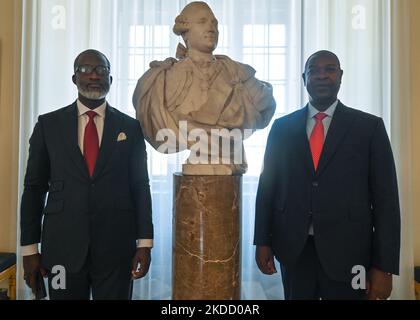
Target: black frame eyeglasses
{"points": [[88, 69]]}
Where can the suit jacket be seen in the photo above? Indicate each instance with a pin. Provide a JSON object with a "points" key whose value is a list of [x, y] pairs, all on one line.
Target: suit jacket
{"points": [[352, 199], [103, 214]]}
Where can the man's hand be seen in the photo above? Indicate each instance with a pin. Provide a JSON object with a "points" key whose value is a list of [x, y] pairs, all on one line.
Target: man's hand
{"points": [[141, 263], [265, 260], [31, 269], [379, 285]]}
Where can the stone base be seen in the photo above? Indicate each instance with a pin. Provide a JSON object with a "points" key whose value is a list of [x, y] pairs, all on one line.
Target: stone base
{"points": [[206, 237], [213, 170]]}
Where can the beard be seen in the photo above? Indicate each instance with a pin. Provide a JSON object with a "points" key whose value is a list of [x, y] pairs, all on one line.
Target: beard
{"points": [[93, 94]]}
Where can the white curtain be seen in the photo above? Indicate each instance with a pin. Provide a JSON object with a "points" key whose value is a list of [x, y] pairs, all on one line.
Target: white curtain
{"points": [[358, 32], [401, 134], [274, 36], [371, 39]]}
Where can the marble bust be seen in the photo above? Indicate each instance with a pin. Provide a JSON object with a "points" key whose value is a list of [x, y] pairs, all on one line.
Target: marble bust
{"points": [[200, 101]]}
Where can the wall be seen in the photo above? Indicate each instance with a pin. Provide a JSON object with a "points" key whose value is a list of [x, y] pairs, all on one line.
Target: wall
{"points": [[415, 123], [10, 26]]}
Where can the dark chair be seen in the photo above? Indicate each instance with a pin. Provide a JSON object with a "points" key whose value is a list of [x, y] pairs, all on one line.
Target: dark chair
{"points": [[8, 272], [417, 281]]}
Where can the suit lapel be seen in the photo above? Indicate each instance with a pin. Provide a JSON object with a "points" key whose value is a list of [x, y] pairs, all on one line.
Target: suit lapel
{"points": [[109, 140], [302, 143], [70, 132], [340, 124]]}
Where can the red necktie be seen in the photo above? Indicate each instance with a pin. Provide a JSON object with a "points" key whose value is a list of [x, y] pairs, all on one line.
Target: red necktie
{"points": [[316, 140], [91, 142]]}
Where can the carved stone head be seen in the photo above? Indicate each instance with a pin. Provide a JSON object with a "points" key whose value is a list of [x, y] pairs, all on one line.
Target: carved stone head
{"points": [[198, 27]]}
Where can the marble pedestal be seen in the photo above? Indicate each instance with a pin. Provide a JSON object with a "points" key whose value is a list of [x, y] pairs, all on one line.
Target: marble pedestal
{"points": [[206, 237]]}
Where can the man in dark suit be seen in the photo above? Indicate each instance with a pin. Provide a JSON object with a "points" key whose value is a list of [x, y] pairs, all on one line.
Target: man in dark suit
{"points": [[327, 203], [97, 223]]}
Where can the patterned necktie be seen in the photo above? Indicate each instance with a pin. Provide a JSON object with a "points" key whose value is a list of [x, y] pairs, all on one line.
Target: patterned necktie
{"points": [[91, 142], [316, 140]]}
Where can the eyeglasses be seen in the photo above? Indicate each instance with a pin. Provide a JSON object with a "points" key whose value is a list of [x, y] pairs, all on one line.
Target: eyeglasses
{"points": [[88, 69]]}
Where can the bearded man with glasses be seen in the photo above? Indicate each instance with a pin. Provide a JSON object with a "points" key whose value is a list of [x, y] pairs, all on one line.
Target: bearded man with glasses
{"points": [[95, 227]]}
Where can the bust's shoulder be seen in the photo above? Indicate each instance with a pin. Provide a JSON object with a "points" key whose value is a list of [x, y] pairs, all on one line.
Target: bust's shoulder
{"points": [[165, 64], [244, 71], [171, 64], [158, 71], [168, 68]]}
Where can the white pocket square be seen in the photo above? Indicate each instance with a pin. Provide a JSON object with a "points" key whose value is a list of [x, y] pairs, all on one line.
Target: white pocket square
{"points": [[121, 137]]}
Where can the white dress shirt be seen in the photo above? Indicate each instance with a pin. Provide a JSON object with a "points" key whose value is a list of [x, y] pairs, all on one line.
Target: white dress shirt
{"points": [[310, 124], [82, 121], [312, 112]]}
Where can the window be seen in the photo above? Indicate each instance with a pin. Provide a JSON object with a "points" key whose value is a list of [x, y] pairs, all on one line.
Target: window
{"points": [[260, 38]]}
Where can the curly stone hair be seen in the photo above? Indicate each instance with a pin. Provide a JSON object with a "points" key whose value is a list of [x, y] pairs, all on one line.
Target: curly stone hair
{"points": [[181, 22]]}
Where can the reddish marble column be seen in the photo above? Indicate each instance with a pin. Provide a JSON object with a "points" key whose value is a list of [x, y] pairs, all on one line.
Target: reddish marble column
{"points": [[206, 237]]}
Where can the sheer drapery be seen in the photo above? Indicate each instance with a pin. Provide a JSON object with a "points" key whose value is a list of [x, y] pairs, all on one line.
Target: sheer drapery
{"points": [[401, 138], [358, 31], [273, 36], [371, 39]]}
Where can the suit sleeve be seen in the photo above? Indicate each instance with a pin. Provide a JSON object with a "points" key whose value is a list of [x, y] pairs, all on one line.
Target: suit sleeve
{"points": [[385, 203], [140, 188], [266, 193], [35, 187]]}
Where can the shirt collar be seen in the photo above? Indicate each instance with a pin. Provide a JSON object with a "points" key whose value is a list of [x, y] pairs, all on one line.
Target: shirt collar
{"points": [[312, 111], [82, 109]]}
